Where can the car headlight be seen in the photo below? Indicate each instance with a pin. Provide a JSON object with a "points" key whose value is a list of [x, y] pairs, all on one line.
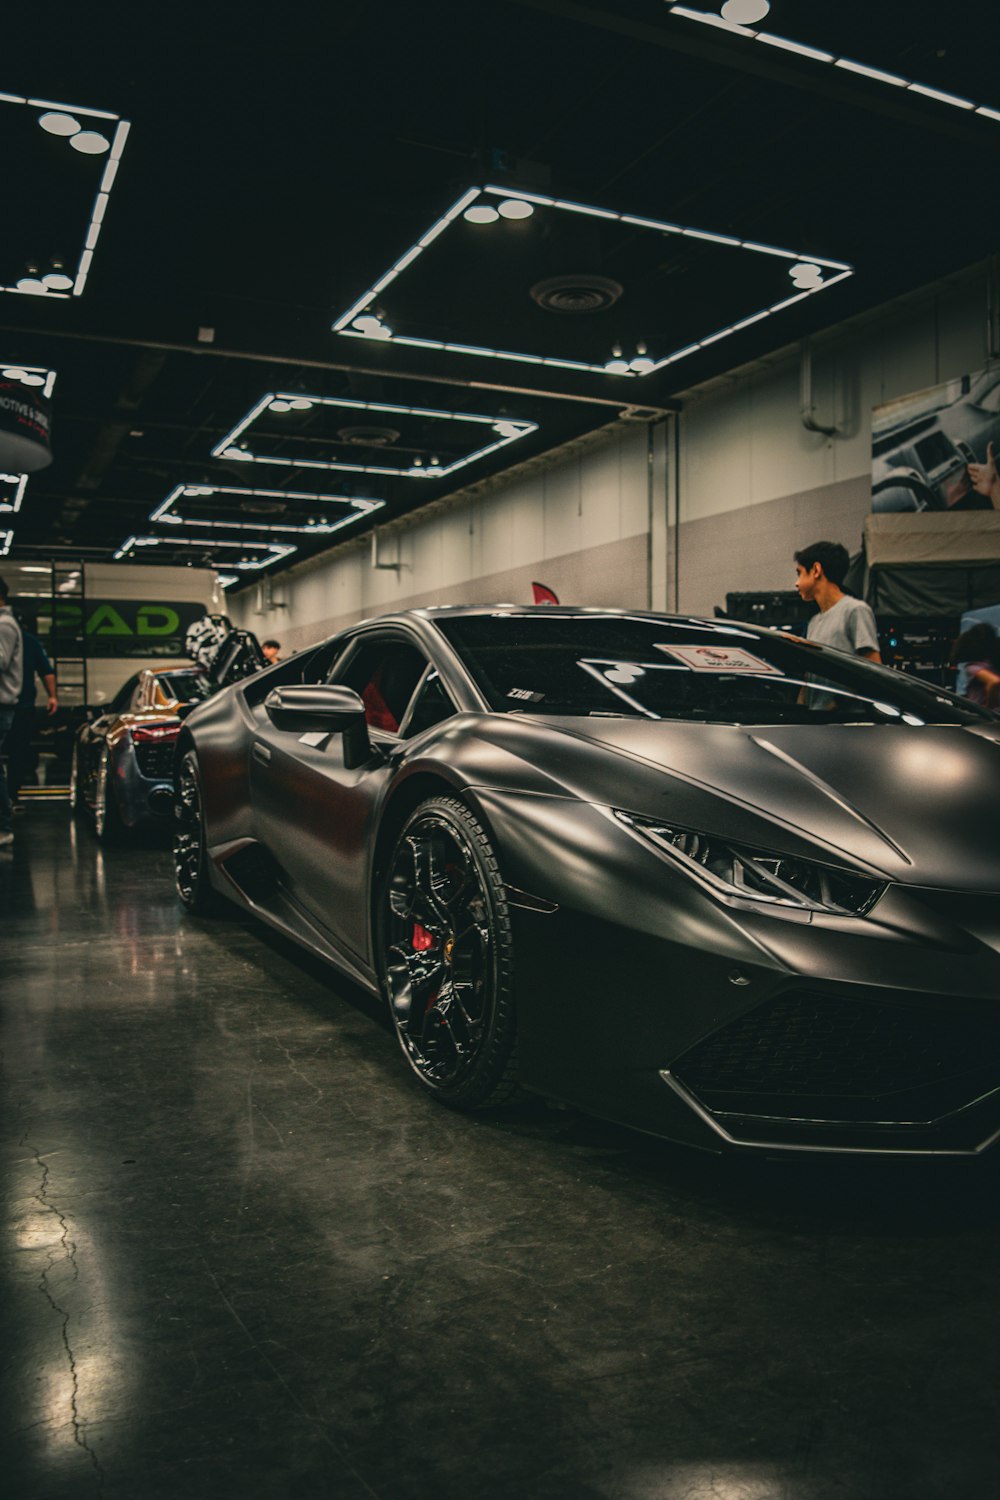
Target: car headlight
{"points": [[760, 875]]}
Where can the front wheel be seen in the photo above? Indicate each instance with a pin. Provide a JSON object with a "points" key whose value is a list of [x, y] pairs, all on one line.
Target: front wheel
{"points": [[446, 957], [190, 843], [108, 823]]}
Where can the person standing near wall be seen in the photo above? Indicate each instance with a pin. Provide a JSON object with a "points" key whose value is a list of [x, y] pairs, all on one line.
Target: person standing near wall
{"points": [[11, 659], [35, 663], [844, 623]]}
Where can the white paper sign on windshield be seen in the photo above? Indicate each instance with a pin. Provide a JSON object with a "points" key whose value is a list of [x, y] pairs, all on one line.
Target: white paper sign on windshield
{"points": [[720, 659]]}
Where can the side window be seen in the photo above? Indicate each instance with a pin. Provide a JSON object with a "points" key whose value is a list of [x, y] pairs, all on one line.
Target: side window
{"points": [[123, 698], [431, 706], [384, 673]]}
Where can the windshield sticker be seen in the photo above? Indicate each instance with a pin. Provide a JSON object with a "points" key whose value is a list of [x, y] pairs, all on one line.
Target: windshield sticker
{"points": [[720, 659], [525, 695]]}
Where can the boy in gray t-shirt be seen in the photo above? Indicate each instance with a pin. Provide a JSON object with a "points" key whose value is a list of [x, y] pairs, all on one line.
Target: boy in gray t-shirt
{"points": [[849, 625], [846, 624]]}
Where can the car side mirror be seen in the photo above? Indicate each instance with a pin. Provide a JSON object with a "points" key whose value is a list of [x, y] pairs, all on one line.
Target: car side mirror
{"points": [[323, 709]]}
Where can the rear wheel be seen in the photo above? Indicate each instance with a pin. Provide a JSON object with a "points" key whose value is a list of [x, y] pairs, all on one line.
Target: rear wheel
{"points": [[446, 957], [190, 844]]}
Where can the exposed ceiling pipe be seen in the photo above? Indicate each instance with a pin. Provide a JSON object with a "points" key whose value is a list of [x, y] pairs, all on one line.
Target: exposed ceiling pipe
{"points": [[618, 401], [391, 567], [806, 406]]}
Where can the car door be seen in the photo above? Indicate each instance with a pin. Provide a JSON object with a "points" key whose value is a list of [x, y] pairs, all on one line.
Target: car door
{"points": [[93, 739], [315, 814]]}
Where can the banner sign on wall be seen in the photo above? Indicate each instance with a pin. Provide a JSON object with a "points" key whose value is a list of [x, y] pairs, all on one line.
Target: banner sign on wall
{"points": [[118, 627], [931, 450], [25, 428]]}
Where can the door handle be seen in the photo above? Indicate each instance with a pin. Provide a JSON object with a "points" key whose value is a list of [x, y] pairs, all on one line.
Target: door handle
{"points": [[261, 752]]}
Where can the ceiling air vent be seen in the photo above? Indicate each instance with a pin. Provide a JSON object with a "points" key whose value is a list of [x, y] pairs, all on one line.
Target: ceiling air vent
{"points": [[262, 505], [369, 437], [576, 294]]}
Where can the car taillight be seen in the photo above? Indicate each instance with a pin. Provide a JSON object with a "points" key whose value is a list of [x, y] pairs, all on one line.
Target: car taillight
{"points": [[144, 733]]}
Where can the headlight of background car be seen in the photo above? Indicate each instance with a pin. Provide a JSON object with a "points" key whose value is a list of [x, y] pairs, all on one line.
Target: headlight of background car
{"points": [[758, 875]]}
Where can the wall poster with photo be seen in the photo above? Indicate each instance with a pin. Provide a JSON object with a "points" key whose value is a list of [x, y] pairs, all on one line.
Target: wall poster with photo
{"points": [[933, 449]]}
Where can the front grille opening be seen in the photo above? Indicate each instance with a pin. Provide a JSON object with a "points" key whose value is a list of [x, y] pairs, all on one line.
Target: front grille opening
{"points": [[805, 1056]]}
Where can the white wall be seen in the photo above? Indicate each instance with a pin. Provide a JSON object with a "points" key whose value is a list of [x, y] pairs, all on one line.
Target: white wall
{"points": [[580, 526], [755, 485]]}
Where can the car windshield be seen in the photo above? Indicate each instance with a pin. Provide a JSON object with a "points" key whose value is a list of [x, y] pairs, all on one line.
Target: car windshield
{"points": [[669, 668], [185, 686]]}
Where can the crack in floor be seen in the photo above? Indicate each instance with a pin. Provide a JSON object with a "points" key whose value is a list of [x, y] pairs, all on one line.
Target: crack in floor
{"points": [[69, 1248]]}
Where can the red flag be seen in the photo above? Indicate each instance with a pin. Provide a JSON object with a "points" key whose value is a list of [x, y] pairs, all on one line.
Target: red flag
{"points": [[543, 594]]}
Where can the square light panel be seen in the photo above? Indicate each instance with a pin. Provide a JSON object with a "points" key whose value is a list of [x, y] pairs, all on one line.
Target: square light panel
{"points": [[537, 280], [247, 556], [366, 437], [60, 164], [13, 486], [232, 508]]}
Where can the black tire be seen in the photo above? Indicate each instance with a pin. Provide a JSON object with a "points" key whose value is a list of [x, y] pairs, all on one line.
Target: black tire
{"points": [[446, 960], [189, 843], [108, 823]]}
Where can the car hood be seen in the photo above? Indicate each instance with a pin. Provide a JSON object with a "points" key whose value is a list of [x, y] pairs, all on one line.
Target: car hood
{"points": [[920, 805]]}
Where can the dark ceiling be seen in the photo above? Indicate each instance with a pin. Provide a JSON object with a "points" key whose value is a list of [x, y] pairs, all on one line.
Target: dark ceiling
{"points": [[279, 164]]}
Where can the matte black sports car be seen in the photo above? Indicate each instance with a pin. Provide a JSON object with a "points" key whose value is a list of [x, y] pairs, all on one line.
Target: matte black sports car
{"points": [[699, 877]]}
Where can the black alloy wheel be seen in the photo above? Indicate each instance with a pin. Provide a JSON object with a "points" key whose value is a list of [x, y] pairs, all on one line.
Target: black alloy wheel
{"points": [[446, 957], [190, 846]]}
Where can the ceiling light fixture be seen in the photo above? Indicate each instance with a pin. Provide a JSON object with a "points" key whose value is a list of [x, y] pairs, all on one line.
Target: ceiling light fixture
{"points": [[18, 484], [90, 143], [728, 22], [515, 208], [481, 213], [226, 448], [349, 324], [266, 553], [6, 537], [169, 510], [59, 124], [69, 121], [745, 12]]}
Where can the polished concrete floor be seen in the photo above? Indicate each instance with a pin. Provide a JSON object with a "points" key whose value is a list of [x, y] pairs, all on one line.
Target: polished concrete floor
{"points": [[245, 1257]]}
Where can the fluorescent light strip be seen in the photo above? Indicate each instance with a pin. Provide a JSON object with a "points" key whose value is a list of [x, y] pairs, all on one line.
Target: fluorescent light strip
{"points": [[770, 40], [6, 537], [71, 109], [815, 54], [222, 448], [565, 205], [277, 549]]}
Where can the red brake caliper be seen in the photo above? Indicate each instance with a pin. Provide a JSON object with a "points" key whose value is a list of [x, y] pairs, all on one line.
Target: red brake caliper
{"points": [[422, 941]]}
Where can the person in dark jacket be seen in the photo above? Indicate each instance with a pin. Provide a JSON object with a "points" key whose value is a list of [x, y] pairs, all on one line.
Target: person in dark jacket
{"points": [[11, 654], [20, 756]]}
